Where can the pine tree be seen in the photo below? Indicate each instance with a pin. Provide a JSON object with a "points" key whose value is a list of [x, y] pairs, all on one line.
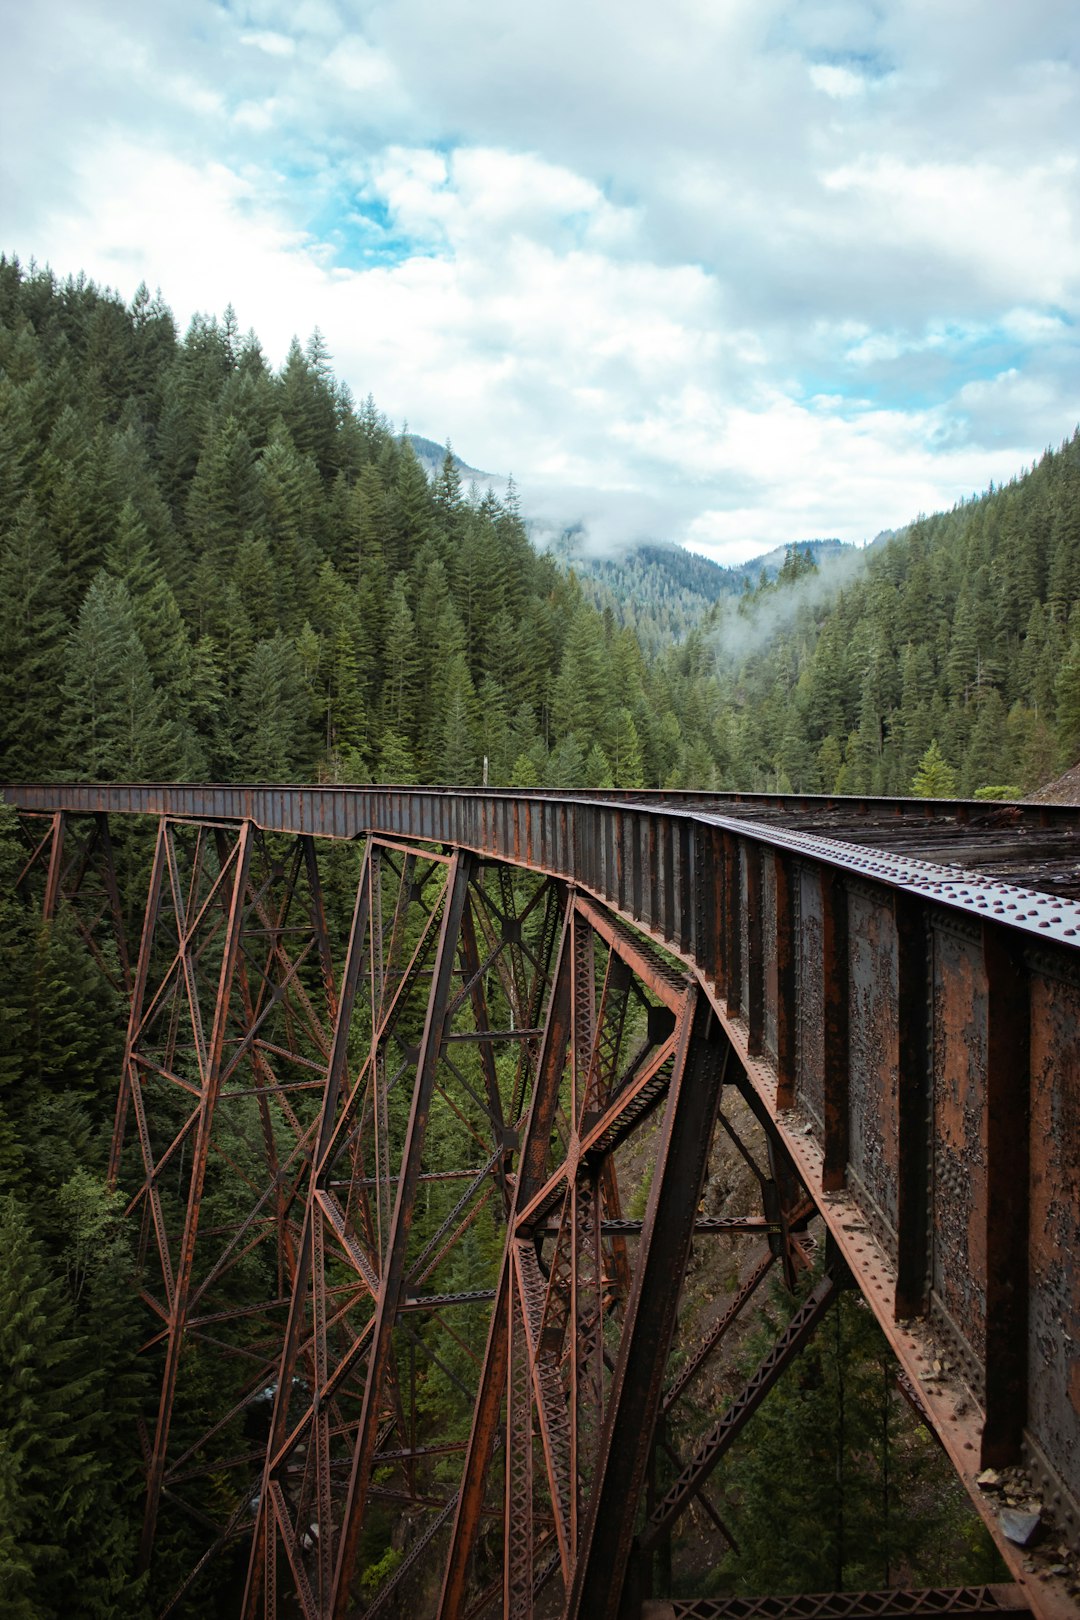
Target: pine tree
{"points": [[1067, 694], [161, 630], [18, 444], [597, 771], [580, 698], [153, 331], [449, 503], [626, 762], [410, 512], [935, 778], [223, 503], [986, 760], [493, 727], [566, 765], [68, 1545], [1032, 752], [33, 631], [256, 582], [307, 402], [77, 489], [272, 709], [456, 752], [115, 724], [396, 764], [399, 662], [290, 512]]}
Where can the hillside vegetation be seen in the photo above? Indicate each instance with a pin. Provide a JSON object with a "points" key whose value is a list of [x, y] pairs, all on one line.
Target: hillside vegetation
{"points": [[662, 591], [960, 633], [209, 569]]}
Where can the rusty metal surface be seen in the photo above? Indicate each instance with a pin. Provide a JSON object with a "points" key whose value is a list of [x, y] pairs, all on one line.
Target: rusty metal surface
{"points": [[911, 1035], [1053, 1392], [961, 1188], [874, 1034], [887, 1605]]}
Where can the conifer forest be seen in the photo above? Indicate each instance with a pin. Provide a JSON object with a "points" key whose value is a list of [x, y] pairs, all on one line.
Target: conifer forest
{"points": [[212, 570]]}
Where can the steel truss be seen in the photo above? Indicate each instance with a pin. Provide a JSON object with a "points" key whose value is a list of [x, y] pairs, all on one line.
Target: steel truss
{"points": [[72, 860], [383, 1242]]}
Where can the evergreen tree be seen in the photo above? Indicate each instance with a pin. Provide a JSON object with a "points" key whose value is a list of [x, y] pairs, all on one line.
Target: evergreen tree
{"points": [[160, 627], [68, 1544], [223, 504], [272, 711], [986, 759], [290, 502], [33, 630], [456, 756], [396, 764], [1067, 694], [77, 489], [399, 662], [822, 1455], [935, 778], [116, 727]]}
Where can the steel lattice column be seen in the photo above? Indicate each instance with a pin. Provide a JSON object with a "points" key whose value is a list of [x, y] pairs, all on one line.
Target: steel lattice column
{"points": [[225, 1035], [412, 1076]]}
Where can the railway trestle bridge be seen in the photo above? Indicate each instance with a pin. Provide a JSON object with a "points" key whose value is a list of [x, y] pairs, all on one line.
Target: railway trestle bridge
{"points": [[381, 1194]]}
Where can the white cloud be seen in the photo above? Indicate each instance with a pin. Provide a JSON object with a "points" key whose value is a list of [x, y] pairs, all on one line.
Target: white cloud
{"points": [[135, 218], [1017, 231], [482, 195], [838, 82], [640, 260], [1033, 326], [273, 44], [313, 17], [257, 116], [360, 69]]}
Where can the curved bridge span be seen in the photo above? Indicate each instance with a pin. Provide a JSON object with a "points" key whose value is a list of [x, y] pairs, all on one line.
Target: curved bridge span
{"points": [[385, 1185]]}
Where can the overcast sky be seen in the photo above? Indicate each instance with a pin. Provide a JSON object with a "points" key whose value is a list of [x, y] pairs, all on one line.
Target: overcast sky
{"points": [[729, 272]]}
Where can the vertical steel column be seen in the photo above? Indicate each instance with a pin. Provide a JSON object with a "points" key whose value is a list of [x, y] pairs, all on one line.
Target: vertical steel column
{"points": [[532, 1166], [518, 1572], [837, 1055], [1008, 1067], [56, 866], [913, 1105], [269, 1523], [210, 1063], [786, 1014], [637, 1382], [755, 941], [138, 1000], [393, 1273], [732, 926]]}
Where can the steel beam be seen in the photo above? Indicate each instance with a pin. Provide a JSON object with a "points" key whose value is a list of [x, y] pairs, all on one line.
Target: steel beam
{"points": [[969, 988], [637, 1384]]}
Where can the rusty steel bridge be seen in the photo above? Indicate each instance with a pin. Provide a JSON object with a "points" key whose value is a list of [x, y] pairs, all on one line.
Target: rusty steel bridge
{"points": [[375, 1187]]}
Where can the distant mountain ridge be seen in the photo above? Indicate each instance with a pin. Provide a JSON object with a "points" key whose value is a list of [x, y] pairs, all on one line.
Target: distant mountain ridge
{"points": [[431, 457], [662, 592], [656, 588]]}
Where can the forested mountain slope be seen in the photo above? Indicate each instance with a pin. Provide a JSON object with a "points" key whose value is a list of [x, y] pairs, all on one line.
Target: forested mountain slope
{"points": [[209, 569], [961, 632], [661, 591]]}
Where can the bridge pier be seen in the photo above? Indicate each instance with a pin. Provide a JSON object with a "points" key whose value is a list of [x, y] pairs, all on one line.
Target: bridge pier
{"points": [[383, 1246]]}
